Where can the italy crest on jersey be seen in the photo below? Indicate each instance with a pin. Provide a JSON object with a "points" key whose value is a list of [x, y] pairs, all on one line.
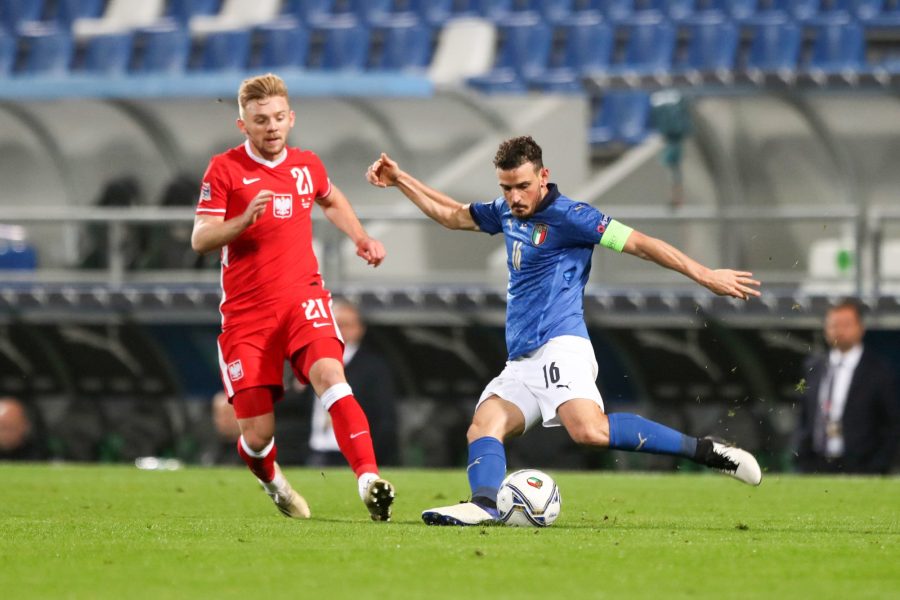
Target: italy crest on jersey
{"points": [[282, 205], [539, 234]]}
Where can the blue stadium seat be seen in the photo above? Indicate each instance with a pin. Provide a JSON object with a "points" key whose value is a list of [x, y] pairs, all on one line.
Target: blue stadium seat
{"points": [[367, 11], [108, 54], [307, 11], [800, 10], [587, 47], [163, 48], [340, 44], [621, 117], [736, 9], [614, 10], [227, 50], [15, 12], [406, 44], [69, 10], [432, 12], [44, 50], [7, 53], [865, 9], [183, 10], [283, 43], [649, 47], [492, 9], [712, 43], [524, 50], [554, 11], [838, 51], [774, 50], [677, 10]]}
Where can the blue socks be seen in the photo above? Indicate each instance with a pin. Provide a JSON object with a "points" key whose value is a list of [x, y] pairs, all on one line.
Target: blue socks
{"points": [[637, 434], [486, 469]]}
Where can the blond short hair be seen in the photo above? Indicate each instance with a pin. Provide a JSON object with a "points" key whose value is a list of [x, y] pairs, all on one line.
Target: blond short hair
{"points": [[260, 88]]}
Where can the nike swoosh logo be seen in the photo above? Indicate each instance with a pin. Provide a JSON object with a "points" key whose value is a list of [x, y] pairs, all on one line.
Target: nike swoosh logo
{"points": [[477, 461], [249, 181], [353, 436], [317, 325]]}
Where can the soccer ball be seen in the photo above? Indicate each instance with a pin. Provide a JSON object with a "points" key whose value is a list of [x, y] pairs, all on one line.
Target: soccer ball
{"points": [[528, 498]]}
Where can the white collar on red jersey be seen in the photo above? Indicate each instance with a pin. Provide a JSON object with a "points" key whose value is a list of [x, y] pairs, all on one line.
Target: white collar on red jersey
{"points": [[269, 163]]}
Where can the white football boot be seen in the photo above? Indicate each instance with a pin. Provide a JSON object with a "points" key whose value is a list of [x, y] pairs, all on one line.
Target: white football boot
{"points": [[464, 513], [733, 461], [289, 502]]}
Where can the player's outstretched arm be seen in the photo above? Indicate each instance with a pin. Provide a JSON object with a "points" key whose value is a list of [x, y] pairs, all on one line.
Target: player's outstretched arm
{"points": [[212, 232], [438, 206], [724, 282], [338, 210]]}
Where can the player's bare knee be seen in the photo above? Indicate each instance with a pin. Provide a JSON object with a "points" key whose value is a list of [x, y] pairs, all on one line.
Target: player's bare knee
{"points": [[589, 434]]}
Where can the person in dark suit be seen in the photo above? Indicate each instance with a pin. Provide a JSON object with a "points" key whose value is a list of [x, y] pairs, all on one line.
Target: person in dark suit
{"points": [[850, 414], [373, 384]]}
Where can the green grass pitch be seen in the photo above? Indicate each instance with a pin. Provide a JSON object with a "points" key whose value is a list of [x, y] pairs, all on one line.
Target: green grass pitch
{"points": [[116, 532]]}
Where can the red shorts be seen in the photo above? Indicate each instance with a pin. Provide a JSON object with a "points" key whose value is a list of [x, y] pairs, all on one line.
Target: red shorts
{"points": [[253, 348]]}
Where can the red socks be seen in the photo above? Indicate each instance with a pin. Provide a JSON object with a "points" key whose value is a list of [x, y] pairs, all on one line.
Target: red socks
{"points": [[351, 429], [261, 463]]}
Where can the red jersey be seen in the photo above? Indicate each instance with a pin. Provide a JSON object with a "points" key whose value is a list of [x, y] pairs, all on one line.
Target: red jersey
{"points": [[272, 260]]}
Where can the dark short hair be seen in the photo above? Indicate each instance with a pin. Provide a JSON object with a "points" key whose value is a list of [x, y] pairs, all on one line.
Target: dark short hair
{"points": [[515, 152], [851, 304]]}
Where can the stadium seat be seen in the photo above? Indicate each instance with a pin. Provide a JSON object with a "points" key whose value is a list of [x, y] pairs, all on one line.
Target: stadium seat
{"points": [[120, 16], [235, 14], [307, 11], [838, 51], [800, 10], [7, 53], [553, 11], [432, 12], [183, 10], [492, 9], [108, 54], [465, 48], [367, 11], [282, 43], [648, 51], [774, 51], [15, 12], [677, 10], [587, 47], [340, 44], [162, 48], [44, 49], [621, 117], [736, 9], [227, 50], [613, 10], [865, 9], [67, 11], [403, 43], [712, 43], [524, 50]]}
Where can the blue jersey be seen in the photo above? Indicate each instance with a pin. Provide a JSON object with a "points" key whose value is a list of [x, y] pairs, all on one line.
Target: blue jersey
{"points": [[549, 261]]}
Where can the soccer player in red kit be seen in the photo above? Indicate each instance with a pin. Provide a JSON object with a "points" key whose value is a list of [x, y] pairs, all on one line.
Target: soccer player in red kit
{"points": [[255, 206]]}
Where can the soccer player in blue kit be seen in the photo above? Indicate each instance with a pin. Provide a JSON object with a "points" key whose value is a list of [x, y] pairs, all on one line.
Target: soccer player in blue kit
{"points": [[551, 373]]}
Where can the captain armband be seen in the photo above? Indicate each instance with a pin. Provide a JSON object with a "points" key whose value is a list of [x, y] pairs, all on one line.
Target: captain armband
{"points": [[615, 236]]}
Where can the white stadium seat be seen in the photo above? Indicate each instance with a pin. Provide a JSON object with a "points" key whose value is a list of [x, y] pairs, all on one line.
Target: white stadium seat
{"points": [[236, 14], [119, 16], [465, 48]]}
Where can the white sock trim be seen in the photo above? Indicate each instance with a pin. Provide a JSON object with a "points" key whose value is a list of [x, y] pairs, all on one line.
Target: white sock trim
{"points": [[262, 453], [363, 482], [335, 393]]}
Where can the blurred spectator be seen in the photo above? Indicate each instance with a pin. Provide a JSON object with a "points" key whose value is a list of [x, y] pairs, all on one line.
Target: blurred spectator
{"points": [[121, 192], [17, 441], [373, 385], [169, 246], [219, 449], [850, 414]]}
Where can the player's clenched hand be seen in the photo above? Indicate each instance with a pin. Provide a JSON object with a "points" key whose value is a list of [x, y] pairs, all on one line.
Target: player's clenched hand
{"points": [[383, 172], [737, 284], [257, 207], [371, 251]]}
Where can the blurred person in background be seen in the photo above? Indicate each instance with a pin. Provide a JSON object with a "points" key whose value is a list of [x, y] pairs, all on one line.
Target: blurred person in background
{"points": [[550, 377], [373, 385], [255, 208], [17, 441], [850, 413], [218, 449]]}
